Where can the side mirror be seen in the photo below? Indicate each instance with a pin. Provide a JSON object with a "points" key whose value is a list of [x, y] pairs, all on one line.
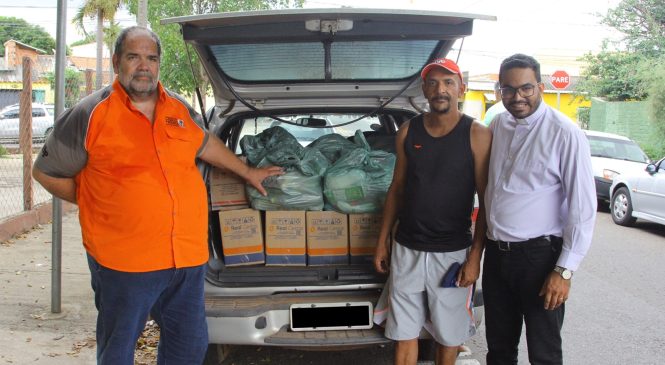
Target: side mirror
{"points": [[651, 169]]}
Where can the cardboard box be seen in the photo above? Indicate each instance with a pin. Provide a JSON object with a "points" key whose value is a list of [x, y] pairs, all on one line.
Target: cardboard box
{"points": [[227, 190], [285, 238], [364, 232], [327, 238], [242, 237]]}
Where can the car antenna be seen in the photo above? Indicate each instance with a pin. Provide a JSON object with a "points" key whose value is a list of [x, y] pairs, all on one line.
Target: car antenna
{"points": [[459, 51], [196, 83]]}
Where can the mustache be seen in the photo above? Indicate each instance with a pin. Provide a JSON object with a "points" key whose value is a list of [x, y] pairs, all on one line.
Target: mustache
{"points": [[142, 74], [441, 97]]}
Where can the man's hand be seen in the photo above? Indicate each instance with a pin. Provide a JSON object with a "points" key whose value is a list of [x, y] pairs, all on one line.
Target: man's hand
{"points": [[555, 291], [255, 176], [468, 273], [382, 258], [470, 270]]}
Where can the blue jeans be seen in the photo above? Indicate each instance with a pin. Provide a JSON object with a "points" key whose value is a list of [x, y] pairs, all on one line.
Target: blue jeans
{"points": [[174, 299], [511, 283]]}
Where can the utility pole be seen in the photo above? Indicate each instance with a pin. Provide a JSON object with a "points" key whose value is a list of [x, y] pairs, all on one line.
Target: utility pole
{"points": [[142, 15]]}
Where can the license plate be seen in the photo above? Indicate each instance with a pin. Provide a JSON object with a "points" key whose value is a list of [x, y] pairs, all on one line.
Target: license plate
{"points": [[331, 316]]}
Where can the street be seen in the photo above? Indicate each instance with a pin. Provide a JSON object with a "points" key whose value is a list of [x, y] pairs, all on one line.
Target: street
{"points": [[614, 315]]}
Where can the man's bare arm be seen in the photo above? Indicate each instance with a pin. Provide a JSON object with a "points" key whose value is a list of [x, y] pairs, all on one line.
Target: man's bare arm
{"points": [[63, 188], [481, 142], [392, 205], [217, 154]]}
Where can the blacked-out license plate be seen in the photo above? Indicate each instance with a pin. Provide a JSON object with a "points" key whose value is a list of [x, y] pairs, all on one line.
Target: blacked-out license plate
{"points": [[331, 316]]}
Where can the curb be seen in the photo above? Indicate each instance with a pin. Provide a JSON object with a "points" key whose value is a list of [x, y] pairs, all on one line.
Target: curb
{"points": [[23, 222]]}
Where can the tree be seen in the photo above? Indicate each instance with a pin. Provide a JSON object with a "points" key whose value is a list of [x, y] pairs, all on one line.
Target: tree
{"points": [[20, 30], [613, 75], [101, 10], [643, 23], [175, 72], [73, 81]]}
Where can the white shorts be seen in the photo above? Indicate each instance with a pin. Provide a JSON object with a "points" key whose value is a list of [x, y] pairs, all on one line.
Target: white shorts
{"points": [[416, 296]]}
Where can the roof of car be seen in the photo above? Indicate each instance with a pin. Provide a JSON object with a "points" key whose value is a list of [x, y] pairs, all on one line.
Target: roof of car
{"points": [[606, 135]]}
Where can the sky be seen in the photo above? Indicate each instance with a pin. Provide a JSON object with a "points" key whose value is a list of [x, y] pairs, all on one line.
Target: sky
{"points": [[557, 32]]}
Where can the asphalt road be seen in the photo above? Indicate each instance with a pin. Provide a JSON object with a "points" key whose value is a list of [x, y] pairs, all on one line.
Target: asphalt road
{"points": [[614, 315]]}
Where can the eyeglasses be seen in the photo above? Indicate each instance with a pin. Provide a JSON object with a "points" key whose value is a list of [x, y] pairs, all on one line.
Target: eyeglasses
{"points": [[525, 91]]}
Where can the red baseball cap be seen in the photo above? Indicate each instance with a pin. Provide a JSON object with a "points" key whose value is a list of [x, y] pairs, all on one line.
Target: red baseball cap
{"points": [[444, 63]]}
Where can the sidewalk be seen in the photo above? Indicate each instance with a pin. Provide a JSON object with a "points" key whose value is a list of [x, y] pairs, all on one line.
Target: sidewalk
{"points": [[30, 333]]}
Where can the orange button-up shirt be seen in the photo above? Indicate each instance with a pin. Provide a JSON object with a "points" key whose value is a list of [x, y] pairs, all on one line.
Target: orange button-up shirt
{"points": [[142, 200]]}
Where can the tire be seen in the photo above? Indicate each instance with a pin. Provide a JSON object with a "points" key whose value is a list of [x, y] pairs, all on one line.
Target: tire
{"points": [[426, 349], [622, 208], [217, 354]]}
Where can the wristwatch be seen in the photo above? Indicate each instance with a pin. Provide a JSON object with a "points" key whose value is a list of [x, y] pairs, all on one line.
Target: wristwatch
{"points": [[565, 273]]}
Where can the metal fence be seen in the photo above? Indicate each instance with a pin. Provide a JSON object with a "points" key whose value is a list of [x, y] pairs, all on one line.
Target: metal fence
{"points": [[26, 119], [15, 196]]}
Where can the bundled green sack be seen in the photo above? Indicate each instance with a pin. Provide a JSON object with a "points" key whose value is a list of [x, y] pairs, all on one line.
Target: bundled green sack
{"points": [[358, 182], [275, 144], [300, 188], [332, 146], [291, 191]]}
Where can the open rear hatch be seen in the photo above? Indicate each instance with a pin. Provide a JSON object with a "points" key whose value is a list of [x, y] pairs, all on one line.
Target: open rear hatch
{"points": [[315, 58]]}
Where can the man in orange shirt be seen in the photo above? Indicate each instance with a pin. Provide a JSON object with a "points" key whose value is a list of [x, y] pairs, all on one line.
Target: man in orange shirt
{"points": [[127, 156]]}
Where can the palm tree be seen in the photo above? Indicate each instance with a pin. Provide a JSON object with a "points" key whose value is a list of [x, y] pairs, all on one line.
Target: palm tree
{"points": [[101, 10]]}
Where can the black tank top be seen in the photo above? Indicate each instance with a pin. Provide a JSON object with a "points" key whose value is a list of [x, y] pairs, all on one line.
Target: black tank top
{"points": [[439, 190]]}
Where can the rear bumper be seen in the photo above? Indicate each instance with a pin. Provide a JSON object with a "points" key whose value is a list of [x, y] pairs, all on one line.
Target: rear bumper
{"points": [[264, 320]]}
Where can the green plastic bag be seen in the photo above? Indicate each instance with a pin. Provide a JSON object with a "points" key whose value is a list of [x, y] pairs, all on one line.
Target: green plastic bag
{"points": [[275, 144], [358, 182], [291, 191]]}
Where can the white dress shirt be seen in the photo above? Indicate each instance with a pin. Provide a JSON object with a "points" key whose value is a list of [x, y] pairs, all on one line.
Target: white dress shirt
{"points": [[541, 183]]}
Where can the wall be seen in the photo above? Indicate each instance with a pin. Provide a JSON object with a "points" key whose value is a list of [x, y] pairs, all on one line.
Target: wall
{"points": [[628, 118]]}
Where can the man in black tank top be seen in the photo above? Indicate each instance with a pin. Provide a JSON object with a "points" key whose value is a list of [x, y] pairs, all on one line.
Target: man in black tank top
{"points": [[442, 160]]}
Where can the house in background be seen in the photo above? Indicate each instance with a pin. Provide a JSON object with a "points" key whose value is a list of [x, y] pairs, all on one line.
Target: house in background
{"points": [[84, 57], [11, 73]]}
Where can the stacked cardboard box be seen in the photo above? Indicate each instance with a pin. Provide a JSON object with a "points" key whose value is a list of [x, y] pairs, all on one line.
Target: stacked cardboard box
{"points": [[327, 238], [242, 237], [364, 232], [285, 238], [227, 190]]}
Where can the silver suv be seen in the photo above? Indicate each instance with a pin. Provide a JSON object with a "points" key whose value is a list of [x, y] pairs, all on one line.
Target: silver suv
{"points": [[42, 122], [359, 70]]}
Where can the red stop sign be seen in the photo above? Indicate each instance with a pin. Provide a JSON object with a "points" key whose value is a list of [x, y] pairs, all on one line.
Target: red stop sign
{"points": [[560, 79]]}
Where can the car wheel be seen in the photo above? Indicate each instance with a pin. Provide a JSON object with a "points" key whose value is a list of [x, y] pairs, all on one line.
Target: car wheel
{"points": [[622, 208], [426, 349], [216, 354]]}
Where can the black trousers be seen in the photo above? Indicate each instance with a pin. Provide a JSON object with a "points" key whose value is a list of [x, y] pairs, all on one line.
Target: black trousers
{"points": [[512, 280]]}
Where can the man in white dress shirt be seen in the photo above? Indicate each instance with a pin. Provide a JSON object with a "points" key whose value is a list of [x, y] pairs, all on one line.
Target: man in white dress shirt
{"points": [[541, 207], [496, 108]]}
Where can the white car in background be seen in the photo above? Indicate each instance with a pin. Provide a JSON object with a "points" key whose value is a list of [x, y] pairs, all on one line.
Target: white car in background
{"points": [[639, 195], [42, 122], [611, 156]]}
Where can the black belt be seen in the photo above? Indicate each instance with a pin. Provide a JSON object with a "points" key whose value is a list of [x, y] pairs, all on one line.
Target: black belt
{"points": [[542, 241]]}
